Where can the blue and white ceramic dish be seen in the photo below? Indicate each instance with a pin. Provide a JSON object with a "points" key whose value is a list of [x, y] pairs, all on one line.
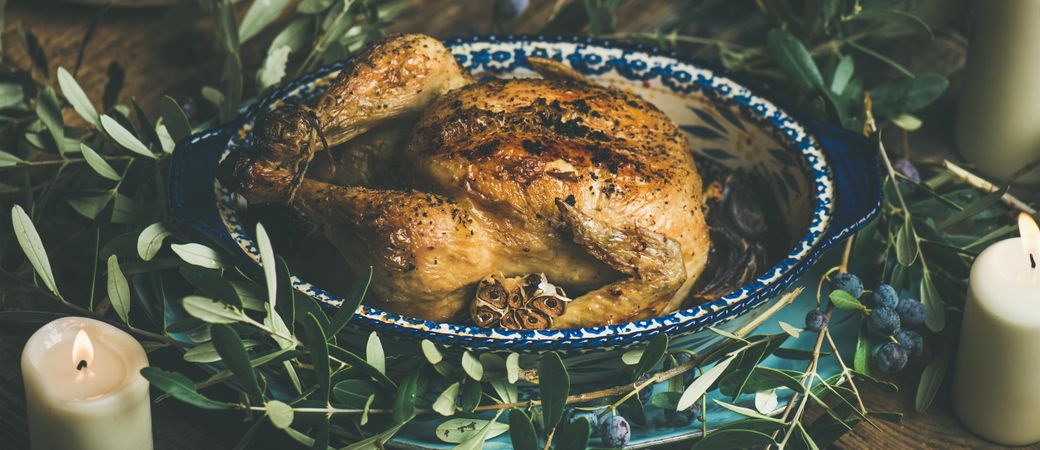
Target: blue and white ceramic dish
{"points": [[824, 181]]}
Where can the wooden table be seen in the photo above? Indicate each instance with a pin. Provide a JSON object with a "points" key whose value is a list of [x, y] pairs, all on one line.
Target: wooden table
{"points": [[165, 60]]}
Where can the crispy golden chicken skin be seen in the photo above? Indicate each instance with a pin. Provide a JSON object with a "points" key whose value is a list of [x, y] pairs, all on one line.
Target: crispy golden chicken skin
{"points": [[593, 186]]}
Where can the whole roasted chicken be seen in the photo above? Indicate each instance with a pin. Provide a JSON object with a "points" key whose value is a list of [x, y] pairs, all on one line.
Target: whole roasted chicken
{"points": [[438, 182]]}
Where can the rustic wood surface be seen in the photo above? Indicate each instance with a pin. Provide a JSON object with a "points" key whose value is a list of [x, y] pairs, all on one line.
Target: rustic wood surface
{"points": [[159, 59]]}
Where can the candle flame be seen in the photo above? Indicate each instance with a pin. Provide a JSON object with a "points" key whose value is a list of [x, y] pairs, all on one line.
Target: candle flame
{"points": [[1030, 233], [82, 355]]}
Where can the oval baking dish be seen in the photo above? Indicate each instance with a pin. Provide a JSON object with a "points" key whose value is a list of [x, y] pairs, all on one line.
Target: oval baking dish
{"points": [[823, 181]]}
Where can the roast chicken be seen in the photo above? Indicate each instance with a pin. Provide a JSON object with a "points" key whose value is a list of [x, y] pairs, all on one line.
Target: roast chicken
{"points": [[409, 165]]}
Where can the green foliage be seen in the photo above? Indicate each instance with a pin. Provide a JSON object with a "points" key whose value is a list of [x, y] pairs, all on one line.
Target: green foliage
{"points": [[96, 194], [554, 385]]}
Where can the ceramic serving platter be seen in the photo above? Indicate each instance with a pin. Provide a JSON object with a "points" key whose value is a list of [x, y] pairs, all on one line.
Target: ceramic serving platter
{"points": [[823, 182]]}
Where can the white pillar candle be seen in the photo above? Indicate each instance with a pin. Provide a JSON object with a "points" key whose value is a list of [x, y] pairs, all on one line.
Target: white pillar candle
{"points": [[998, 120], [996, 389], [84, 388]]}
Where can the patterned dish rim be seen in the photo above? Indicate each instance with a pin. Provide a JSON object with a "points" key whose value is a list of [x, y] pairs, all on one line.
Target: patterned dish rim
{"points": [[844, 174]]}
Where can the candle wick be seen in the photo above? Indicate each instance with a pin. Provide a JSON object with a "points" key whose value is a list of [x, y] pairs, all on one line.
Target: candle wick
{"points": [[83, 363], [1032, 261]]}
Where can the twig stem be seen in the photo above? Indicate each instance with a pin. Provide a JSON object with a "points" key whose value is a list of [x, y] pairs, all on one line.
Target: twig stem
{"points": [[981, 184]]}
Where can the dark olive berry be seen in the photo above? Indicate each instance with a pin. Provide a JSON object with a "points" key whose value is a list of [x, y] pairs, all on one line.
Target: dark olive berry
{"points": [[911, 341], [890, 357], [911, 312], [885, 296], [615, 432], [848, 283], [815, 320], [883, 321]]}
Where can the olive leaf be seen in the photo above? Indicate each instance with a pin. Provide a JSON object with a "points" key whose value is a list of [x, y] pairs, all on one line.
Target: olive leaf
{"points": [[174, 119], [842, 74], [165, 140], [861, 360], [351, 302], [32, 246], [702, 383], [632, 357], [360, 363], [118, 289], [652, 354], [273, 69], [507, 392], [11, 94], [472, 366], [125, 210], [76, 97], [469, 432], [766, 402], [974, 208], [9, 160], [574, 435], [759, 378], [210, 311], [281, 415], [210, 282], [295, 35], [404, 403], [377, 441], [513, 367], [151, 239], [231, 350], [445, 403], [790, 54], [791, 330], [844, 300], [907, 95], [89, 206], [124, 138], [908, 122], [313, 6], [906, 244], [374, 353], [747, 412], [521, 431], [260, 14], [554, 384], [48, 109], [471, 394], [429, 349], [207, 353], [98, 163], [267, 260], [317, 345], [180, 388], [199, 255], [935, 307], [354, 393]]}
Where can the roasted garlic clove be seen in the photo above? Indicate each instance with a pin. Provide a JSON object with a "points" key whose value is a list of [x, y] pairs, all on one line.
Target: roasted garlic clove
{"points": [[548, 304], [530, 302], [486, 317], [489, 304], [491, 292], [531, 319]]}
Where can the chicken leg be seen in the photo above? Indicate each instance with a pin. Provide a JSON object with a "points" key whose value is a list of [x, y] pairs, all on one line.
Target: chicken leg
{"points": [[652, 265]]}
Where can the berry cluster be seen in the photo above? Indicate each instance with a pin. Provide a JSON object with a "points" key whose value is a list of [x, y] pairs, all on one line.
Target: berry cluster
{"points": [[614, 430], [888, 317]]}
